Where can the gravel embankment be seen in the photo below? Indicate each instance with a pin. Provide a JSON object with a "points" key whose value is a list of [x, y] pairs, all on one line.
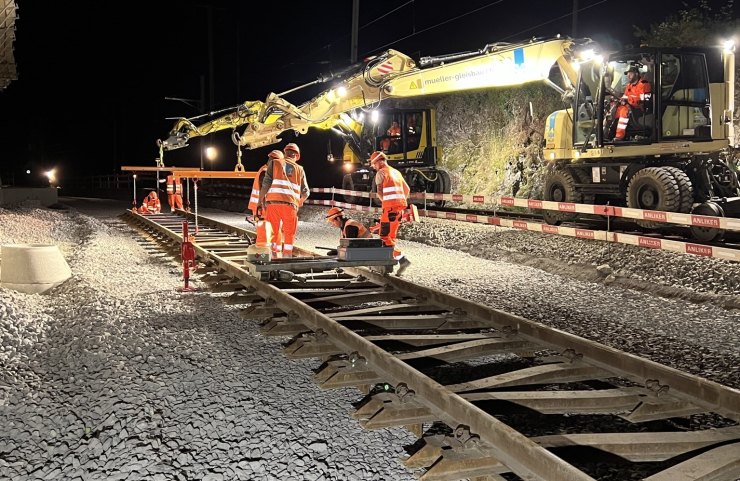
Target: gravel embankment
{"points": [[116, 376]]}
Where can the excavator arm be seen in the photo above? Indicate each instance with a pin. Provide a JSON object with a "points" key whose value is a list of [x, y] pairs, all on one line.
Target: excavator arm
{"points": [[395, 75]]}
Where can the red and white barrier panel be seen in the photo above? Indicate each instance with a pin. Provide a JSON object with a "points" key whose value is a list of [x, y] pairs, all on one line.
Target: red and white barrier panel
{"points": [[601, 235], [605, 210]]}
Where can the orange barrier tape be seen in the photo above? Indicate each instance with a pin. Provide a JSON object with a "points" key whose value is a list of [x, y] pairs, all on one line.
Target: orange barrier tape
{"points": [[601, 235], [606, 210]]}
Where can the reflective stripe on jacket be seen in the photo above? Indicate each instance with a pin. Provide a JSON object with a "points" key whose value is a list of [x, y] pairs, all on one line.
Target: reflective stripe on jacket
{"points": [[286, 183], [638, 93], [173, 187], [395, 190]]}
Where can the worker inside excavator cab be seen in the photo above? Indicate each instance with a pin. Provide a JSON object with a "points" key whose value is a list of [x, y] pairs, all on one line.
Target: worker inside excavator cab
{"points": [[390, 142], [628, 100]]}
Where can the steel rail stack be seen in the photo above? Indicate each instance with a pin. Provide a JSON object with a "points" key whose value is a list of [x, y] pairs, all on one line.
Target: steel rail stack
{"points": [[346, 318]]}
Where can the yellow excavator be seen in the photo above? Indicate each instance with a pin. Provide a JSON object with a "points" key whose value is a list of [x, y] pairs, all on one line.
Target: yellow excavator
{"points": [[671, 156]]}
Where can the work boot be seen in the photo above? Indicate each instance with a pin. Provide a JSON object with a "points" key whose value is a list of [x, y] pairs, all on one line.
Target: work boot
{"points": [[403, 264]]}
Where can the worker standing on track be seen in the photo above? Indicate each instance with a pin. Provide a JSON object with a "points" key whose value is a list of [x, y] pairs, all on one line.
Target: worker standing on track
{"points": [[151, 204], [265, 233], [392, 192], [174, 192], [351, 229], [282, 193]]}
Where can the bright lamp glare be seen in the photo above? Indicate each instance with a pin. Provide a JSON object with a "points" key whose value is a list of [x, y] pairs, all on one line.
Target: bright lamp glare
{"points": [[49, 174], [374, 116], [347, 166], [342, 91], [211, 153], [729, 45], [587, 54], [28, 172]]}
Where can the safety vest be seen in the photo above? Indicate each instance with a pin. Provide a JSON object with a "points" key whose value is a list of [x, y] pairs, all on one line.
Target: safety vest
{"points": [[394, 131], [395, 189], [254, 197], [153, 206], [286, 182], [172, 186], [264, 233], [638, 92], [362, 232]]}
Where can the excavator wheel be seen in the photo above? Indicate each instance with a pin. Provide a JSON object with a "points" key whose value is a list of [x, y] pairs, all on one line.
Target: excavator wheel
{"points": [[685, 188], [442, 186], [560, 186], [348, 184], [653, 188]]}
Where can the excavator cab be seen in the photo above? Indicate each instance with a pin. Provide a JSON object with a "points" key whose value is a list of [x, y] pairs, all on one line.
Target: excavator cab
{"points": [[407, 136], [676, 108]]}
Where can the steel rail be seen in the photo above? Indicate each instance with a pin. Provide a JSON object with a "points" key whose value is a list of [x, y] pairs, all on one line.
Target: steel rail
{"points": [[520, 454], [693, 389]]}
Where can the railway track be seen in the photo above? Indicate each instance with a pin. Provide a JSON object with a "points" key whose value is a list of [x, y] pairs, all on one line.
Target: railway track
{"points": [[483, 382]]}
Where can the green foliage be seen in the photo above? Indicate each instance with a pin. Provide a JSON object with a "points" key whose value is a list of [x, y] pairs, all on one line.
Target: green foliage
{"points": [[693, 26]]}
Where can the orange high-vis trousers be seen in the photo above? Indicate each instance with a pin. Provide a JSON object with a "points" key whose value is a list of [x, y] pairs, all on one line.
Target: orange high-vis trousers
{"points": [[389, 222], [264, 233], [175, 200], [288, 216]]}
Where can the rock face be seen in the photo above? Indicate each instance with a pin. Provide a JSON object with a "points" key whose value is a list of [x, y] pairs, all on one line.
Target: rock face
{"points": [[115, 376]]}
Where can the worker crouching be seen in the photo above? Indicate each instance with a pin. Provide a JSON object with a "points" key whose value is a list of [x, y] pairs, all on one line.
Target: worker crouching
{"points": [[351, 229], [151, 204], [282, 193], [392, 191]]}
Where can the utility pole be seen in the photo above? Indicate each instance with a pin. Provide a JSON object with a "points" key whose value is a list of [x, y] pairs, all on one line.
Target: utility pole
{"points": [[574, 30], [355, 29]]}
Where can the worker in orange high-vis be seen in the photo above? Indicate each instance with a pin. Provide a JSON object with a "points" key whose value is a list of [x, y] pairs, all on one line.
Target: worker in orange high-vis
{"points": [[392, 192], [351, 229], [637, 95], [254, 204], [151, 204], [282, 193], [174, 192]]}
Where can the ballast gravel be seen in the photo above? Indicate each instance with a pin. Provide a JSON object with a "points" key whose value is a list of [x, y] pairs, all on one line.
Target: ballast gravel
{"points": [[116, 376]]}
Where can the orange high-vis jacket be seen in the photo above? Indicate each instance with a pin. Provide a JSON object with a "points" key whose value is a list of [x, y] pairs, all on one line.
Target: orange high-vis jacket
{"points": [[152, 206], [173, 186], [394, 131], [286, 182], [254, 197], [638, 92], [395, 190]]}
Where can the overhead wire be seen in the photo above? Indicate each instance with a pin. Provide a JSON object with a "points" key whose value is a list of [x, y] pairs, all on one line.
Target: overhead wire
{"points": [[553, 20], [345, 36]]}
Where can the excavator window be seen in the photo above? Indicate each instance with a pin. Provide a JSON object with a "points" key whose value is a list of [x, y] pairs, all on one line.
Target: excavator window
{"points": [[586, 114], [684, 96], [412, 127], [640, 112]]}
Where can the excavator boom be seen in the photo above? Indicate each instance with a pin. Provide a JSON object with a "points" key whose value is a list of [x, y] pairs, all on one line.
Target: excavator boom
{"points": [[395, 75]]}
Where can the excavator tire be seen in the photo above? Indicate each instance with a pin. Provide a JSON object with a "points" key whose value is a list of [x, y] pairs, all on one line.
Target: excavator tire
{"points": [[653, 188], [442, 186], [348, 184], [583, 178], [685, 188], [560, 186]]}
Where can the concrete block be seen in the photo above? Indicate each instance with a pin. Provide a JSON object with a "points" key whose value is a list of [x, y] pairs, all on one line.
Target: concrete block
{"points": [[15, 195], [33, 268]]}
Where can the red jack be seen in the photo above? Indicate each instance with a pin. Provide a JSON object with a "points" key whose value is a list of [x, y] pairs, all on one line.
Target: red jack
{"points": [[187, 252]]}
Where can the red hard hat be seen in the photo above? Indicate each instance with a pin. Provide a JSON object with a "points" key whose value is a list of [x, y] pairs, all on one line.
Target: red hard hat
{"points": [[293, 147], [334, 212], [276, 154], [377, 157]]}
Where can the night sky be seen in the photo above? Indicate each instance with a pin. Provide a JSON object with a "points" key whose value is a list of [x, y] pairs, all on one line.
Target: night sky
{"points": [[92, 75]]}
